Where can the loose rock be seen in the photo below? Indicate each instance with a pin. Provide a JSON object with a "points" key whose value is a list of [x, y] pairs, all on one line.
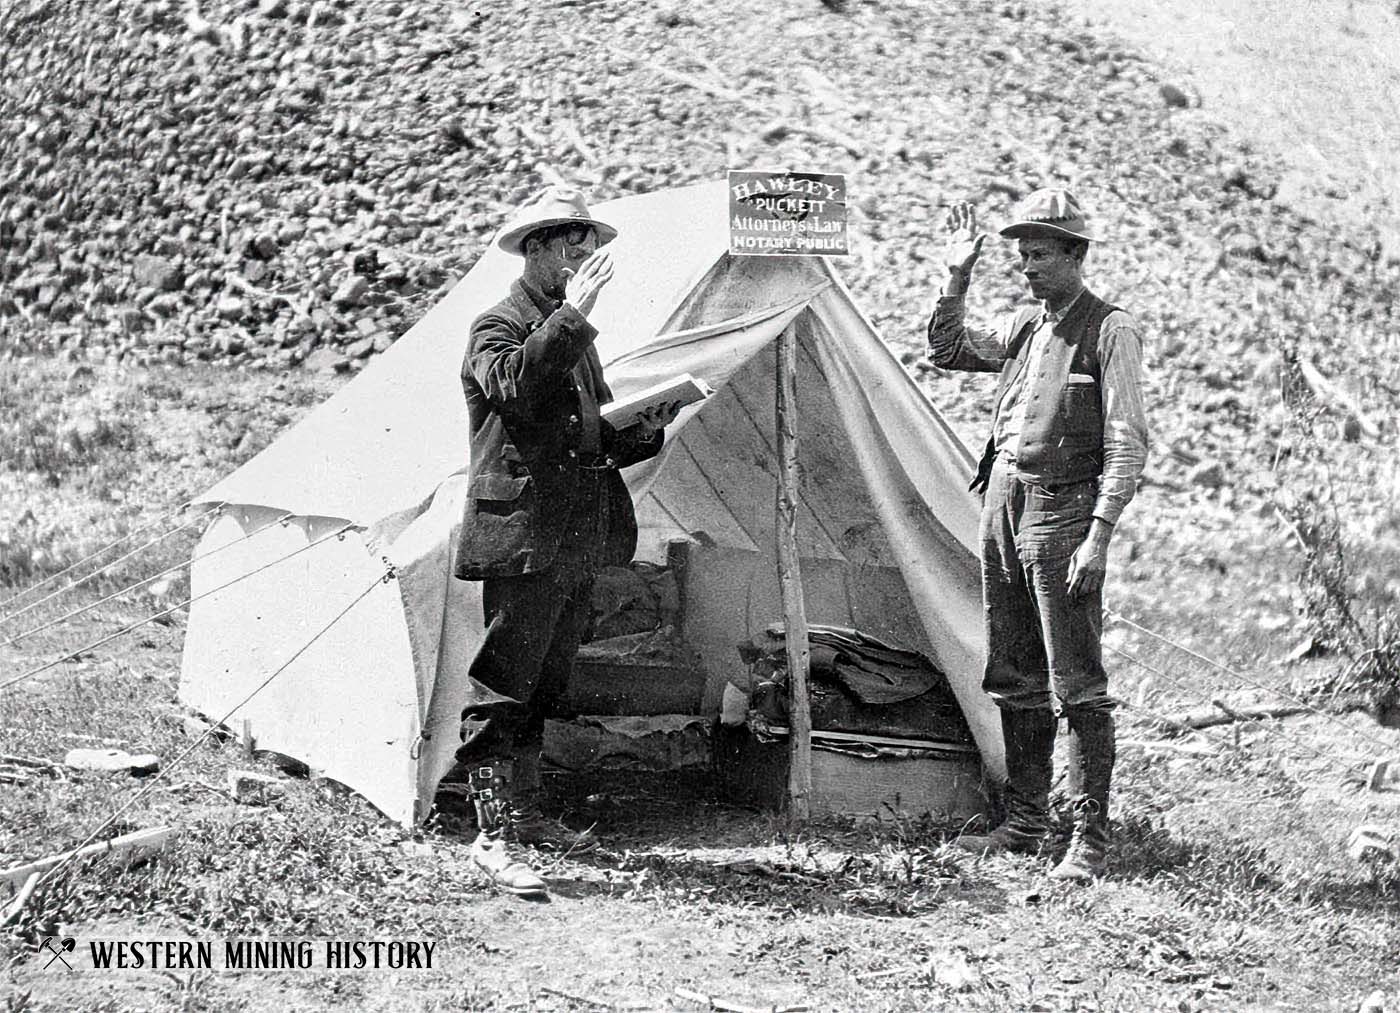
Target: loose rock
{"points": [[351, 291], [1174, 96], [112, 760], [157, 273], [1208, 475], [251, 788], [1372, 844], [326, 360]]}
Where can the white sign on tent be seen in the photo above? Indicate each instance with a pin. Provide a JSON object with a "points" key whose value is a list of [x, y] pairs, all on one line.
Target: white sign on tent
{"points": [[787, 213]]}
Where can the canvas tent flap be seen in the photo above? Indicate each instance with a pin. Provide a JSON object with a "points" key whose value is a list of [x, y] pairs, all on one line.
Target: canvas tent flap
{"points": [[712, 354], [700, 339], [443, 617], [919, 467]]}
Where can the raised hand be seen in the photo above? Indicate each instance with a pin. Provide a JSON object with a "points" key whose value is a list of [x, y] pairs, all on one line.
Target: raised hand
{"points": [[964, 244], [582, 287]]}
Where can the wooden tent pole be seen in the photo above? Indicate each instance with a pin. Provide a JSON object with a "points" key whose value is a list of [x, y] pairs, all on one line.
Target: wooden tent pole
{"points": [[790, 581]]}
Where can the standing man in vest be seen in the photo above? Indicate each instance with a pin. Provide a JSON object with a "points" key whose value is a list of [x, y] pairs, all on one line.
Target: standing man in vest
{"points": [[1068, 442], [546, 509]]}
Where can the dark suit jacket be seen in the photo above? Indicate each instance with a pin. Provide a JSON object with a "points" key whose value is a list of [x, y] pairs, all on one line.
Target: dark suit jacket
{"points": [[525, 416]]}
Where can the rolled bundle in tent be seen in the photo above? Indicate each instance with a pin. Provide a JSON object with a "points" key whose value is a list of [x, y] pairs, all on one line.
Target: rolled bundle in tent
{"points": [[886, 528]]}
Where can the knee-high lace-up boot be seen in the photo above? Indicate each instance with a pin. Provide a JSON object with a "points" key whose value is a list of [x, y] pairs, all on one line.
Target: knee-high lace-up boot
{"points": [[1094, 751], [1029, 736]]}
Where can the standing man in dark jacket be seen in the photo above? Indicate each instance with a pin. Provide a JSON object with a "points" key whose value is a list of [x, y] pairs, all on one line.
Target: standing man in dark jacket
{"points": [[1069, 440], [546, 509]]}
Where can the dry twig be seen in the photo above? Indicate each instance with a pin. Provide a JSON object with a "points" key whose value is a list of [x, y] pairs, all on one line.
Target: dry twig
{"points": [[16, 906], [729, 1006], [1219, 714], [581, 999], [142, 842]]}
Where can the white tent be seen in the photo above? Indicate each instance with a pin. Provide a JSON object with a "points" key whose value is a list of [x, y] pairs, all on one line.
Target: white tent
{"points": [[887, 530]]}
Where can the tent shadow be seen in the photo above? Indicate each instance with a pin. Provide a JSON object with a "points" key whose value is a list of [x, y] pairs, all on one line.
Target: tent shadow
{"points": [[820, 879], [669, 836]]}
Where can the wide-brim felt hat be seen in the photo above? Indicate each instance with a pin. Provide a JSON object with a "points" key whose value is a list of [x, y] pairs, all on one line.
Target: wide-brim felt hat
{"points": [[1047, 213], [556, 205]]}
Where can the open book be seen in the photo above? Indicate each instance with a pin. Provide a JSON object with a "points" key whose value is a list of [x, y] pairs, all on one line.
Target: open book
{"points": [[684, 388]]}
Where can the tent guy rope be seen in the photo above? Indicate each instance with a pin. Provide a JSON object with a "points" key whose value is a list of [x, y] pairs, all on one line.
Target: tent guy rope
{"points": [[145, 580], [389, 574], [339, 533], [107, 566], [1267, 726], [1245, 680], [91, 556]]}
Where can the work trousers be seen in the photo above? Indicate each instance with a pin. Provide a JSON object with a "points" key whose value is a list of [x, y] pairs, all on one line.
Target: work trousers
{"points": [[534, 625], [1043, 646]]}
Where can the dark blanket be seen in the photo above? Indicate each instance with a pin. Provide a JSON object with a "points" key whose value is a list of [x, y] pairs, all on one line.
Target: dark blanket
{"points": [[862, 685], [870, 670]]}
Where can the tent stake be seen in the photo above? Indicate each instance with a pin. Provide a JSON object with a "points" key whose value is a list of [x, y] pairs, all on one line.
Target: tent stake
{"points": [[790, 581]]}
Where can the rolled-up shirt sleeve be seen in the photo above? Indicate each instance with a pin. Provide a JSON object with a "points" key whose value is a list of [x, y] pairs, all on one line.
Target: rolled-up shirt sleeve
{"points": [[954, 345], [1124, 419]]}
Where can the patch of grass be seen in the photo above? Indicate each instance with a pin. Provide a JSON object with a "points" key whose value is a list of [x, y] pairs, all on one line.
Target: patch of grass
{"points": [[63, 430], [58, 436], [18, 1002], [1196, 871], [322, 869], [1337, 495], [319, 863], [74, 443]]}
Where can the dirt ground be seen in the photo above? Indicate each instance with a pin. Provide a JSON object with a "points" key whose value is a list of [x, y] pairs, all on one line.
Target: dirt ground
{"points": [[1204, 911]]}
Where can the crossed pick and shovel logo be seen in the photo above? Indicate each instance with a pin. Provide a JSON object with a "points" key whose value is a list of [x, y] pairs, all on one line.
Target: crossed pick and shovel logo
{"points": [[58, 947]]}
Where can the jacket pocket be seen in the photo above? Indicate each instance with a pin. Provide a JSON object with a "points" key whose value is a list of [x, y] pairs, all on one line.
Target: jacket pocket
{"points": [[506, 488], [498, 536]]}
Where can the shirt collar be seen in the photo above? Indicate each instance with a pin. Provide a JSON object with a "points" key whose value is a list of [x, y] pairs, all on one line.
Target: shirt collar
{"points": [[1055, 317], [541, 302]]}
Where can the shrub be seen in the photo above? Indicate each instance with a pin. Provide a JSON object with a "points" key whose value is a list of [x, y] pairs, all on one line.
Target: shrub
{"points": [[1349, 532]]}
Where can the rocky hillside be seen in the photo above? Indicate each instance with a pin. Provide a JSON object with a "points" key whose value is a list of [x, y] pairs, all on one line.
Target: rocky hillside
{"points": [[269, 183]]}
